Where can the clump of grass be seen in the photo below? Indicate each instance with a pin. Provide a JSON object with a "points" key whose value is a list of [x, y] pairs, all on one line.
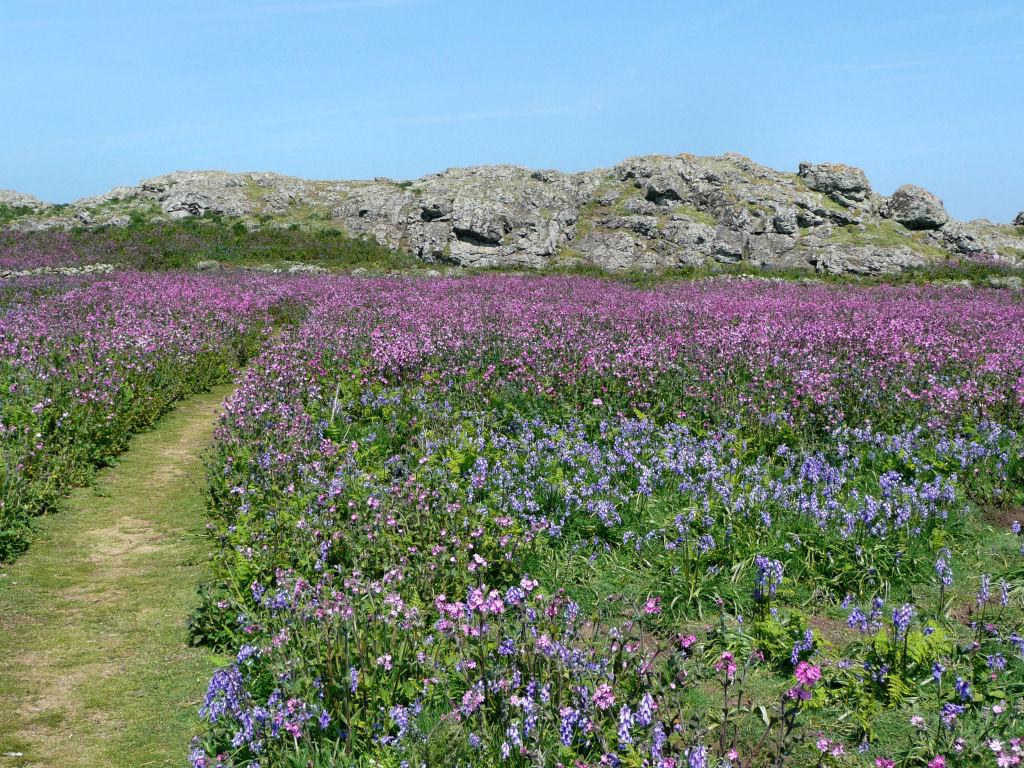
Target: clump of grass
{"points": [[9, 213], [886, 234], [702, 216]]}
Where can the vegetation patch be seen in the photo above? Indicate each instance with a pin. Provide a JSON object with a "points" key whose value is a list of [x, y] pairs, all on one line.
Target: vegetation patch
{"points": [[704, 217], [9, 213], [887, 234], [184, 243]]}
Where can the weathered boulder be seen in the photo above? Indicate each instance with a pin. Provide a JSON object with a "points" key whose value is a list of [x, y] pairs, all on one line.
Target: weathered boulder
{"points": [[614, 251], [306, 269], [207, 265], [866, 260], [915, 208], [786, 220], [843, 183], [480, 221], [14, 199]]}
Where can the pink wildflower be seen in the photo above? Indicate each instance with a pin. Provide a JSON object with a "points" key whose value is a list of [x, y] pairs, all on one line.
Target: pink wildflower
{"points": [[807, 674], [603, 697]]}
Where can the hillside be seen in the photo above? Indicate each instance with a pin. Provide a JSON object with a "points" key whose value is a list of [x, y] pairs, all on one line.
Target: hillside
{"points": [[646, 213]]}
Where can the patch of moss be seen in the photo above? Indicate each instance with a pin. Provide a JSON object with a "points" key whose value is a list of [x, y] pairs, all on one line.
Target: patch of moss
{"points": [[255, 192], [886, 234], [693, 213], [831, 204], [797, 181]]}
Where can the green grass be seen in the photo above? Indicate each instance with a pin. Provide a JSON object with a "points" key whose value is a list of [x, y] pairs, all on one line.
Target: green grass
{"points": [[9, 213], [887, 234], [831, 204], [172, 245], [702, 216], [95, 669]]}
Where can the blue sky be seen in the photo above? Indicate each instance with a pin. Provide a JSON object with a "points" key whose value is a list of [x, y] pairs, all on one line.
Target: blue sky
{"points": [[97, 94]]}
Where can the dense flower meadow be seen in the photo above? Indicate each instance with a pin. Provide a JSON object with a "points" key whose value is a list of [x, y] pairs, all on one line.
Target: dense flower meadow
{"points": [[87, 362], [560, 521], [505, 520]]}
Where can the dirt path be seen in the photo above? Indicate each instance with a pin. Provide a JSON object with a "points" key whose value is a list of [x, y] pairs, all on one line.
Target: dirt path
{"points": [[94, 666]]}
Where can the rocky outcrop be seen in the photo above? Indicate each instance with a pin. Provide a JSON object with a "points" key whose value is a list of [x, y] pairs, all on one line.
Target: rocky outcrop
{"points": [[843, 183], [1018, 221], [20, 200], [645, 213], [915, 208]]}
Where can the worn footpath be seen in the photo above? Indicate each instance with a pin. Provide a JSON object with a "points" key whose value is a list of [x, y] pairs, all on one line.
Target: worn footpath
{"points": [[94, 663]]}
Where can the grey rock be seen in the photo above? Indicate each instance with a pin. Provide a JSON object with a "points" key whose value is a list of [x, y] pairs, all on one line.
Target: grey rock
{"points": [[786, 221], [480, 221], [306, 269], [1018, 220], [867, 260], [646, 213], [807, 217], [117, 194], [980, 236], [207, 264], [84, 269], [119, 221], [729, 245], [614, 251], [14, 199], [1011, 282], [915, 208], [639, 206], [843, 183]]}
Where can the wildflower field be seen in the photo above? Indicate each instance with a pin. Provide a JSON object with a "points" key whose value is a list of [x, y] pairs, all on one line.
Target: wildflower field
{"points": [[539, 521]]}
